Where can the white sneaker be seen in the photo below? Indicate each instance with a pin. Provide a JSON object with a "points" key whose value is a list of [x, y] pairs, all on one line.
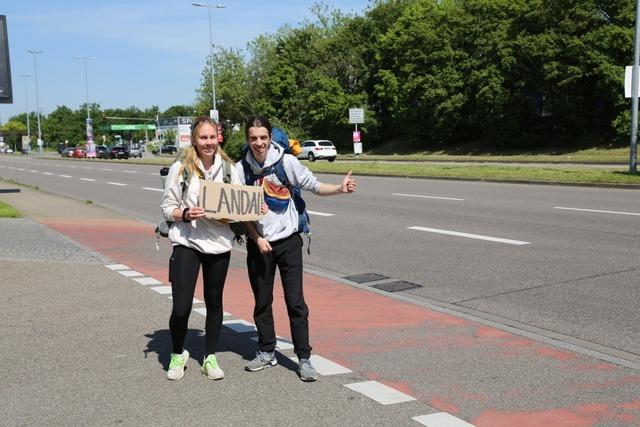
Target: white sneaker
{"points": [[177, 365], [211, 369]]}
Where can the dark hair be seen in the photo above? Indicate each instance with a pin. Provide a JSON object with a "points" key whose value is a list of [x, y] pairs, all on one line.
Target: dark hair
{"points": [[259, 122]]}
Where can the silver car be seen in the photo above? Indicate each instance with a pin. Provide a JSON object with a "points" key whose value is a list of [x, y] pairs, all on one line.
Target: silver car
{"points": [[313, 149]]}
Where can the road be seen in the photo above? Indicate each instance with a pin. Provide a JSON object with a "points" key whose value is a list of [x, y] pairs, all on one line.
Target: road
{"points": [[555, 261]]}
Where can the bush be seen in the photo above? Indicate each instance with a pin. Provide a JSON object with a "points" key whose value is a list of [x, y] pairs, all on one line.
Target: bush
{"points": [[233, 145]]}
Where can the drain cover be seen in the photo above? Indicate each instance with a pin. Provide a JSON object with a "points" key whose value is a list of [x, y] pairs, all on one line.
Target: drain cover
{"points": [[366, 277], [398, 286]]}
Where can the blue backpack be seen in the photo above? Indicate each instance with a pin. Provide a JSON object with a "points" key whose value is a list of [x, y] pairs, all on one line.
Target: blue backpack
{"points": [[280, 137]]}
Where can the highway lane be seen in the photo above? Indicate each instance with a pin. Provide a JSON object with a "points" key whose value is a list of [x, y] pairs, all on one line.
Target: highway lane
{"points": [[576, 275]]}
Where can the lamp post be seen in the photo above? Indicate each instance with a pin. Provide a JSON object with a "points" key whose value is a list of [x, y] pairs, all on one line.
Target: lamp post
{"points": [[35, 72], [26, 104], [88, 123], [214, 112], [635, 84]]}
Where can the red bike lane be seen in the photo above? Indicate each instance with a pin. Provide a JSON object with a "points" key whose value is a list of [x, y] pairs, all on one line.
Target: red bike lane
{"points": [[484, 375]]}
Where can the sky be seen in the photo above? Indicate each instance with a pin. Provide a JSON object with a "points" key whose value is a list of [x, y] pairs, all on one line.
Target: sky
{"points": [[146, 52]]}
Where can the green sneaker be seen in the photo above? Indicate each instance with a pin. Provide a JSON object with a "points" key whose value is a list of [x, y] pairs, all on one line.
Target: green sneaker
{"points": [[211, 369], [177, 365]]}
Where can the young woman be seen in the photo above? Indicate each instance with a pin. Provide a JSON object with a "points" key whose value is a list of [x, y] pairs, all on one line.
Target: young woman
{"points": [[197, 242], [275, 242]]}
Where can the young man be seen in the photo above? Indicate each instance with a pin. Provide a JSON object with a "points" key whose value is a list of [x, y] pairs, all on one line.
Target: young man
{"points": [[275, 241]]}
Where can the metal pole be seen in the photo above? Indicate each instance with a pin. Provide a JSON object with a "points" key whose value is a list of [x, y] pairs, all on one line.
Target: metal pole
{"points": [[35, 72], [633, 157], [213, 81], [26, 104]]}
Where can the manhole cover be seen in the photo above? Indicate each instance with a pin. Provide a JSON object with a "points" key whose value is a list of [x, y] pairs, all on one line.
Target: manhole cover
{"points": [[398, 286], [367, 277]]}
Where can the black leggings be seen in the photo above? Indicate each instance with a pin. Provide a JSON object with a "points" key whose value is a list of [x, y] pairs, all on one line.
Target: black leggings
{"points": [[184, 266]]}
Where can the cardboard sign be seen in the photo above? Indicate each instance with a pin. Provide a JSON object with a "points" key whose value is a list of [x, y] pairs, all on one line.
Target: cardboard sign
{"points": [[230, 201]]}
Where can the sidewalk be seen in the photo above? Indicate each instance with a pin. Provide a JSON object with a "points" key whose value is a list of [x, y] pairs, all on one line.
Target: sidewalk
{"points": [[92, 344]]}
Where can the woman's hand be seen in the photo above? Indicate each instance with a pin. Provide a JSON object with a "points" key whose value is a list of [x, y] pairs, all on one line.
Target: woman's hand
{"points": [[194, 213]]}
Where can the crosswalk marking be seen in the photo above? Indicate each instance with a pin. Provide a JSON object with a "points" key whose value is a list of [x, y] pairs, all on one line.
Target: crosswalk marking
{"points": [[379, 392]]}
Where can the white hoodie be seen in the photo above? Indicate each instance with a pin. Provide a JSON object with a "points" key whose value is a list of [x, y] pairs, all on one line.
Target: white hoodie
{"points": [[279, 225], [205, 235]]}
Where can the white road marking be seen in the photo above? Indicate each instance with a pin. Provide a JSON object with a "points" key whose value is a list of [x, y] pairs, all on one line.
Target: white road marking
{"points": [[87, 167], [163, 290], [87, 179], [153, 189], [47, 173], [441, 419], [106, 169], [596, 211], [470, 236], [116, 183], [66, 176], [148, 281], [281, 343], [131, 171], [325, 366], [116, 267], [320, 213], [31, 170], [193, 301], [427, 197], [239, 325], [130, 273], [21, 169], [379, 392]]}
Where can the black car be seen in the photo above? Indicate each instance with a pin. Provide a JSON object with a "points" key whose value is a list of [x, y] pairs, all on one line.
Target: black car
{"points": [[103, 152], [169, 149], [119, 152]]}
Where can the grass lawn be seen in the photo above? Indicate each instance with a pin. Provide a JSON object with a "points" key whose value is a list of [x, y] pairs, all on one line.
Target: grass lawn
{"points": [[7, 211]]}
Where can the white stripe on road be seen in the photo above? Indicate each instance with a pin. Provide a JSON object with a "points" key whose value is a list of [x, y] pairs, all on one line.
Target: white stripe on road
{"points": [[87, 179], [281, 343], [380, 392], [441, 419], [320, 213], [66, 176], [116, 267], [153, 189], [106, 169], [148, 281], [163, 290], [116, 183], [325, 366], [47, 173], [21, 169], [131, 171], [31, 170], [427, 197], [470, 236], [239, 325], [130, 273], [596, 211]]}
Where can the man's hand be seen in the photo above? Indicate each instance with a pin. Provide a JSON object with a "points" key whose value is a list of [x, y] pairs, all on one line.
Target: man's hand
{"points": [[349, 184]]}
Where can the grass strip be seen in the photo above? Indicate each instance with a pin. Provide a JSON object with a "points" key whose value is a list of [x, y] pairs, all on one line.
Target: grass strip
{"points": [[7, 211]]}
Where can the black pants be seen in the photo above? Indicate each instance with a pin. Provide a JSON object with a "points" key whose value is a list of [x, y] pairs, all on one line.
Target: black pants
{"points": [[286, 254], [184, 266]]}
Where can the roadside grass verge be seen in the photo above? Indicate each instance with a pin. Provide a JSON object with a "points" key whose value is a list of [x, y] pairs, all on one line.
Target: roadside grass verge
{"points": [[568, 175], [7, 211]]}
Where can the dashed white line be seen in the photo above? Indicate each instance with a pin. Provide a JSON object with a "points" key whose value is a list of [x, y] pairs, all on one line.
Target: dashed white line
{"points": [[130, 273], [65, 176], [116, 183], [131, 171], [320, 213], [31, 170], [148, 281], [87, 179], [47, 173], [239, 325], [596, 211], [116, 267], [107, 169], [441, 419], [325, 366], [21, 169], [153, 189], [470, 236], [163, 290], [379, 392], [428, 197]]}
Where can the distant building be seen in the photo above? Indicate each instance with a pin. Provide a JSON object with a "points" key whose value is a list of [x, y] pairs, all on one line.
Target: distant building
{"points": [[179, 126]]}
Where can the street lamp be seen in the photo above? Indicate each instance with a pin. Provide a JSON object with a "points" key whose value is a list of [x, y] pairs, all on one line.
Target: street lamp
{"points": [[35, 72], [209, 6], [88, 123], [26, 104]]}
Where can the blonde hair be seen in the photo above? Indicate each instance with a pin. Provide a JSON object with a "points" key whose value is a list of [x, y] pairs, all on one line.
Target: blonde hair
{"points": [[188, 156]]}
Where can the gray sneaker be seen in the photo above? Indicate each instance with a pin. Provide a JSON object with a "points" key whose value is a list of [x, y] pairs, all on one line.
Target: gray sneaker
{"points": [[261, 361], [306, 371]]}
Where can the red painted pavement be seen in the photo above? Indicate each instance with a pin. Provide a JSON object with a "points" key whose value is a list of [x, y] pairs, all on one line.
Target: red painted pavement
{"points": [[356, 328]]}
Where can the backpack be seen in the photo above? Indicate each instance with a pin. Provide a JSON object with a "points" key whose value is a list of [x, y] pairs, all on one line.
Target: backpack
{"points": [[163, 227]]}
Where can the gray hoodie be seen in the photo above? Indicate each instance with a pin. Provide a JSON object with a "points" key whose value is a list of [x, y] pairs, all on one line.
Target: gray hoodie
{"points": [[279, 225]]}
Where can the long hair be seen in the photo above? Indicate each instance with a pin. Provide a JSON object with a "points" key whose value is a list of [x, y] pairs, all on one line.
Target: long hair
{"points": [[189, 155]]}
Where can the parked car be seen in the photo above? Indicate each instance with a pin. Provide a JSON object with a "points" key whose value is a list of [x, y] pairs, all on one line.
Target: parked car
{"points": [[68, 152], [169, 149], [102, 152], [313, 149], [119, 152], [80, 152], [135, 151]]}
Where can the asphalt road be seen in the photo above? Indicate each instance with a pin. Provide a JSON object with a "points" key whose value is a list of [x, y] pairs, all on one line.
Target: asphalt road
{"points": [[552, 261]]}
